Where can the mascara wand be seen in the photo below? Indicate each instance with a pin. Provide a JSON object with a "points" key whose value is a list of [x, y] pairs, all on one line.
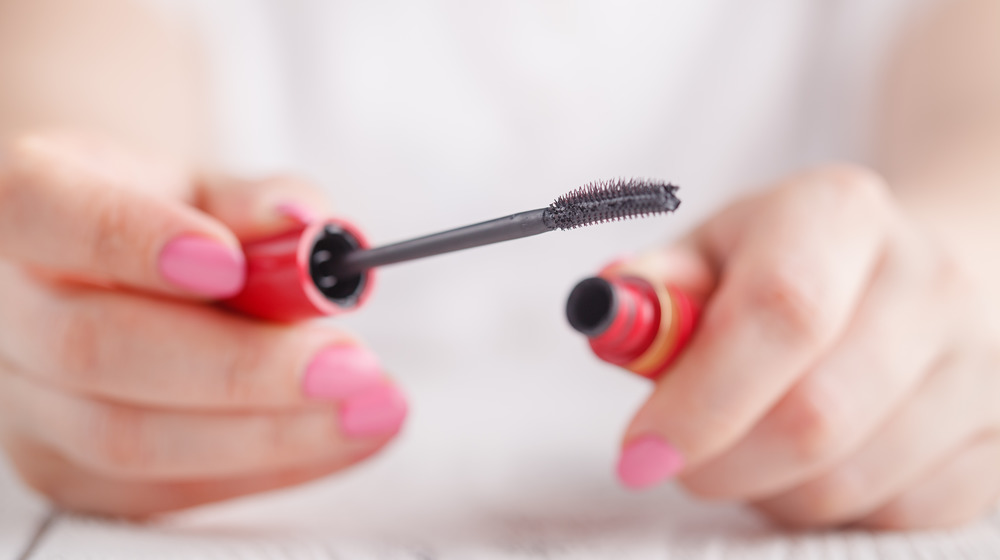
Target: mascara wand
{"points": [[595, 203], [322, 268]]}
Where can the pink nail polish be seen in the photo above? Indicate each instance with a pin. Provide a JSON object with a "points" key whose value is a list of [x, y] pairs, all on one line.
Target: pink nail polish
{"points": [[376, 412], [647, 461], [339, 372], [203, 266], [297, 212]]}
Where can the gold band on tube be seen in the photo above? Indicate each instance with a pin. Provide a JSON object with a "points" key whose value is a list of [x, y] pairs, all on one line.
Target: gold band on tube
{"points": [[666, 335]]}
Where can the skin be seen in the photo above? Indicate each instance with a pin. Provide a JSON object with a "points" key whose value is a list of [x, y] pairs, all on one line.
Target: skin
{"points": [[844, 372]]}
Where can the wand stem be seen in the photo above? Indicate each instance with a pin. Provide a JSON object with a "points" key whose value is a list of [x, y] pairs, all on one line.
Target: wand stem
{"points": [[515, 226]]}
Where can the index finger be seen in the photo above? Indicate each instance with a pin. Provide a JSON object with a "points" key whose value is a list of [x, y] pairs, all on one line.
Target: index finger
{"points": [[85, 211], [793, 264]]}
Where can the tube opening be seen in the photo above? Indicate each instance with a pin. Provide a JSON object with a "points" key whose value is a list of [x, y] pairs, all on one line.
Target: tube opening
{"points": [[591, 306], [330, 246]]}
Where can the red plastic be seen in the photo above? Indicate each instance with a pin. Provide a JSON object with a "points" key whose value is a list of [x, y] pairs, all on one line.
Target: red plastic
{"points": [[279, 286], [633, 328], [653, 324]]}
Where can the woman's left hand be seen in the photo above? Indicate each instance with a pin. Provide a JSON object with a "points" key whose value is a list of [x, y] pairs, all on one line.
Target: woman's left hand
{"points": [[846, 368]]}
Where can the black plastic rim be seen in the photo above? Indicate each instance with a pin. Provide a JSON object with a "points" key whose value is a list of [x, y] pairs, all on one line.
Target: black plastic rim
{"points": [[332, 243], [591, 306]]}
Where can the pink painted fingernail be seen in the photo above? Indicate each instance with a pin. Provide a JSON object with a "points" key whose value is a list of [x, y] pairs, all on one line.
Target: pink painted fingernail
{"points": [[297, 212], [203, 266], [339, 372], [647, 461], [376, 412]]}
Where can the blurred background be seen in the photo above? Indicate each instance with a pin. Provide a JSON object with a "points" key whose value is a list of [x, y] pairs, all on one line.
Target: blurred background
{"points": [[417, 116]]}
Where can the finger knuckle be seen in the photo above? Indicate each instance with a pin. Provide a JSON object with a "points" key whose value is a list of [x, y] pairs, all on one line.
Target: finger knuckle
{"points": [[30, 155], [18, 163], [245, 366], [279, 434], [815, 427], [77, 351], [789, 301], [237, 384], [854, 186], [296, 435], [108, 238], [27, 147], [950, 278], [907, 512], [895, 516], [906, 517], [834, 499], [120, 441]]}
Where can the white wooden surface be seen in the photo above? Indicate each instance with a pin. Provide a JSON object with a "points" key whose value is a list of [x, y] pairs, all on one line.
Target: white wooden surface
{"points": [[21, 514]]}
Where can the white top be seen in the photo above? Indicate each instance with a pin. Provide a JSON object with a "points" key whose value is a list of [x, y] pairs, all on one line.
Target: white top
{"points": [[423, 115]]}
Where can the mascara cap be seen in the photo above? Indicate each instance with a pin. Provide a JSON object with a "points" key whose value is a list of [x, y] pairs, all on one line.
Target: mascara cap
{"points": [[288, 275]]}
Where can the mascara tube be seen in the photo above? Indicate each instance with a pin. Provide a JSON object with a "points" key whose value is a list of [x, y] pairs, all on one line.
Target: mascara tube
{"points": [[290, 278], [632, 322]]}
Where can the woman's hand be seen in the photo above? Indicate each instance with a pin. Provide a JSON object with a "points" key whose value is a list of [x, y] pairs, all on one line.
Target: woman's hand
{"points": [[122, 389], [845, 369]]}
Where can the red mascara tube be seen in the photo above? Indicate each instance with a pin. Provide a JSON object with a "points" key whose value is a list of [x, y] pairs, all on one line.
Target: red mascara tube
{"points": [[290, 276], [633, 322]]}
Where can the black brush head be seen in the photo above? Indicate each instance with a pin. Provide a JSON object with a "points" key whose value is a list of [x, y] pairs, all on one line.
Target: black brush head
{"points": [[609, 201]]}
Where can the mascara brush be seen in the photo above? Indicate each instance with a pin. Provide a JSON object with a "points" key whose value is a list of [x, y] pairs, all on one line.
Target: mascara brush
{"points": [[595, 203], [324, 267]]}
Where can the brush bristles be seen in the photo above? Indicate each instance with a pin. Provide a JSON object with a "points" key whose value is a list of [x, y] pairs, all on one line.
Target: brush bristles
{"points": [[610, 201]]}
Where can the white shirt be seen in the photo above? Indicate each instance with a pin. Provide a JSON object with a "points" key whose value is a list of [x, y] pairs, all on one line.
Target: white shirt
{"points": [[422, 115]]}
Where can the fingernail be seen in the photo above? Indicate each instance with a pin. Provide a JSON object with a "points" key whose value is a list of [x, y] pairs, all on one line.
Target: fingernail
{"points": [[203, 266], [376, 412], [339, 372], [297, 212], [647, 461]]}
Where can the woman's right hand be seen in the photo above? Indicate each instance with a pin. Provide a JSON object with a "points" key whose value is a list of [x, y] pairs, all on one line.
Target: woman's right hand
{"points": [[123, 391]]}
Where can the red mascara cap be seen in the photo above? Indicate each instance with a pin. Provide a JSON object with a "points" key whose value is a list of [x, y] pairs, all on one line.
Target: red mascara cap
{"points": [[288, 275]]}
